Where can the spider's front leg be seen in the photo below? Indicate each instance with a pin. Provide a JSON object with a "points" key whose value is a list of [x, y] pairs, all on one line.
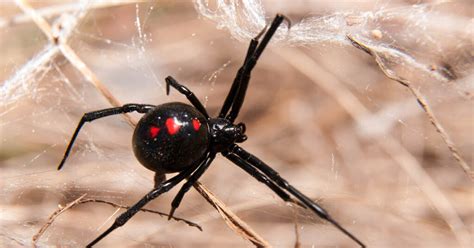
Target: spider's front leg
{"points": [[91, 116]]}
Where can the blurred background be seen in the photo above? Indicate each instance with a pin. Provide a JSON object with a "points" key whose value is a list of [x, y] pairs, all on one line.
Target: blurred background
{"points": [[318, 110]]}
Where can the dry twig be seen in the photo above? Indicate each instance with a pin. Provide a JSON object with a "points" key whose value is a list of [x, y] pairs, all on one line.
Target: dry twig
{"points": [[232, 220], [81, 200], [56, 39], [146, 210], [379, 59], [52, 217]]}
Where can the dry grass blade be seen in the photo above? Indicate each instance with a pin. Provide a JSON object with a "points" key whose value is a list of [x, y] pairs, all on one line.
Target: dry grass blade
{"points": [[57, 10], [231, 219], [92, 78], [39, 20], [378, 56]]}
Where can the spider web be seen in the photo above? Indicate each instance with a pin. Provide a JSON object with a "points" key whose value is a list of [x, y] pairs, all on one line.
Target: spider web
{"points": [[326, 133]]}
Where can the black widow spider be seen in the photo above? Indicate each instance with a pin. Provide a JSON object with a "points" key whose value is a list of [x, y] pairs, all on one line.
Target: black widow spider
{"points": [[176, 137]]}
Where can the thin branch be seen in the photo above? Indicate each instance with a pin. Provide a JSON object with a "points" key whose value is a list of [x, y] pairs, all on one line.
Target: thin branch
{"points": [[378, 56], [178, 219], [230, 218], [53, 216], [332, 86]]}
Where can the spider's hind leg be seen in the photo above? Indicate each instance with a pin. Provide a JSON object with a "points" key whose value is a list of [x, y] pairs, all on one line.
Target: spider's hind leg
{"points": [[260, 177], [255, 162], [162, 188], [191, 180]]}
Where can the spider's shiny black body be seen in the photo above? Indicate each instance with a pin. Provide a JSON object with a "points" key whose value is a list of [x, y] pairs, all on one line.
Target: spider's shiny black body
{"points": [[176, 137], [171, 137]]}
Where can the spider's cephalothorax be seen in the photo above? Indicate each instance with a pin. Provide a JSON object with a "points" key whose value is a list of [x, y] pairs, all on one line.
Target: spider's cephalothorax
{"points": [[176, 137], [224, 134]]}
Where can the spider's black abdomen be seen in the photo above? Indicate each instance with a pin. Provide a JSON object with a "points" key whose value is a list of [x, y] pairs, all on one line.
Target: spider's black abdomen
{"points": [[171, 137]]}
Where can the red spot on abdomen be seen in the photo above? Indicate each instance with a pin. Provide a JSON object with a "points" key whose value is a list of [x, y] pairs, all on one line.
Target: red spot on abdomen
{"points": [[154, 131], [172, 126], [196, 124]]}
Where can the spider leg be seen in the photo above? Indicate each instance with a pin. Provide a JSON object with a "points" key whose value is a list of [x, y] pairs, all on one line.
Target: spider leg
{"points": [[188, 93], [238, 78], [273, 175], [249, 64], [162, 188], [260, 177], [91, 116], [191, 180]]}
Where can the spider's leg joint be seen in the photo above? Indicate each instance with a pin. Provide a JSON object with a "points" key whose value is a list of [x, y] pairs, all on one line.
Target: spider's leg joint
{"points": [[288, 21], [168, 81]]}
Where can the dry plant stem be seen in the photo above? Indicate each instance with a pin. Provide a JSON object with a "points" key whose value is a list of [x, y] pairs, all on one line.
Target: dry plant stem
{"points": [[190, 223], [39, 20], [419, 97], [69, 53], [92, 78], [332, 86], [232, 220], [81, 200], [52, 217]]}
